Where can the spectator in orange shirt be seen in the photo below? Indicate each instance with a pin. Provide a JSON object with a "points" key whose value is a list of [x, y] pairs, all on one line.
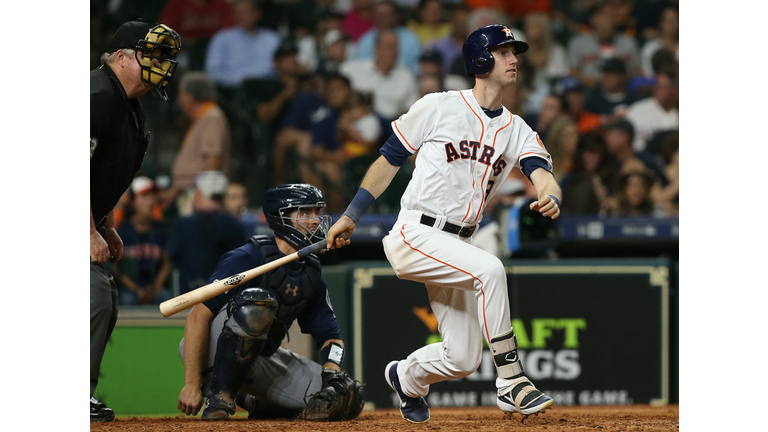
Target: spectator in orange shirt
{"points": [[206, 146], [572, 92]]}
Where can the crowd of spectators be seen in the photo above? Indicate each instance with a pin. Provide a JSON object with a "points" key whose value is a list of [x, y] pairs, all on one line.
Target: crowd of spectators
{"points": [[278, 91]]}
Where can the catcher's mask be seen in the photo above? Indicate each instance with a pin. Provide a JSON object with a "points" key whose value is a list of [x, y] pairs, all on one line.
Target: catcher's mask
{"points": [[161, 43], [304, 228]]}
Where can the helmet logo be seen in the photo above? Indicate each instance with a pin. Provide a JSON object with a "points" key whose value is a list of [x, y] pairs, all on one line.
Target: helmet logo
{"points": [[508, 32]]}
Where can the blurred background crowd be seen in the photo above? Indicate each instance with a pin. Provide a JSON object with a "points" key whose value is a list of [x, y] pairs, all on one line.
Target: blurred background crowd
{"points": [[278, 91]]}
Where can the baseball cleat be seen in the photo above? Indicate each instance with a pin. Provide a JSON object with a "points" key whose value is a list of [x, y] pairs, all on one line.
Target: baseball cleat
{"points": [[524, 398], [218, 408], [415, 410], [100, 412]]}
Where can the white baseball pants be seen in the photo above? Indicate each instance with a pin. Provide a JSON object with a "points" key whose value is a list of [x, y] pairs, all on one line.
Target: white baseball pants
{"points": [[467, 290]]}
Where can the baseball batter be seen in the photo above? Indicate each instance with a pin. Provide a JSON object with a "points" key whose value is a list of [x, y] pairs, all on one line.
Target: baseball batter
{"points": [[466, 143]]}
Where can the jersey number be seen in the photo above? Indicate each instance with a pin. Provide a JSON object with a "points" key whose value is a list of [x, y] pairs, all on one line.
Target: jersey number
{"points": [[488, 190]]}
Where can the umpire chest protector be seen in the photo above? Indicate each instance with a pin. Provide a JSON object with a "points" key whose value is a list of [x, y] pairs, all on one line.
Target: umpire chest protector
{"points": [[293, 284]]}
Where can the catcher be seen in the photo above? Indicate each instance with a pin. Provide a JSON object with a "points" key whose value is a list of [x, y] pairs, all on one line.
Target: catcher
{"points": [[231, 346]]}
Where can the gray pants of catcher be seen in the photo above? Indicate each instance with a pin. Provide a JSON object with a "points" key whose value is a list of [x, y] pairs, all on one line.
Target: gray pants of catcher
{"points": [[103, 317], [285, 379]]}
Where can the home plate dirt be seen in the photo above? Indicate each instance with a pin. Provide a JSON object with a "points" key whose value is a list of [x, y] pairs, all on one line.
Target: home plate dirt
{"points": [[561, 418]]}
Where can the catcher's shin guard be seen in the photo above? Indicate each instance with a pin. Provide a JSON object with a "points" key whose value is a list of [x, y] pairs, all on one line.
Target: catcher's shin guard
{"points": [[522, 396], [234, 355]]}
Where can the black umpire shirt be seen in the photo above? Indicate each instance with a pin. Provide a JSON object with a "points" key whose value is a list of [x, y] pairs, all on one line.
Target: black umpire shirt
{"points": [[118, 141]]}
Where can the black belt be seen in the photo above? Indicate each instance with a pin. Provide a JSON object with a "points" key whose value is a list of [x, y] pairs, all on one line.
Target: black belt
{"points": [[449, 227]]}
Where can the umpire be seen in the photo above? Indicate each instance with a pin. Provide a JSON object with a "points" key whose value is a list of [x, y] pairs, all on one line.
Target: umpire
{"points": [[141, 56]]}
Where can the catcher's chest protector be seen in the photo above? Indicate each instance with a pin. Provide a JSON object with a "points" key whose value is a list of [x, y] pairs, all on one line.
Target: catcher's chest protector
{"points": [[293, 284]]}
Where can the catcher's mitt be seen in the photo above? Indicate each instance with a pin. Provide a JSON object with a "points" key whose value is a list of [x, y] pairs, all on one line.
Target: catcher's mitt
{"points": [[340, 398]]}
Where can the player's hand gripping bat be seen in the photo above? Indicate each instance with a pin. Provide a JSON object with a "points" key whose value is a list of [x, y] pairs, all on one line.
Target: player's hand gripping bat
{"points": [[199, 295]]}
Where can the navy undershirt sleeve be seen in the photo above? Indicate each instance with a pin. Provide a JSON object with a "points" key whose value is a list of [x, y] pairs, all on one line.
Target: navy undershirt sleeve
{"points": [[318, 318], [529, 164], [394, 151]]}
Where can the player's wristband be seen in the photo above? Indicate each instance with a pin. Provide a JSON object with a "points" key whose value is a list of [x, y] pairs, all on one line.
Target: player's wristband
{"points": [[360, 203], [333, 353], [554, 198]]}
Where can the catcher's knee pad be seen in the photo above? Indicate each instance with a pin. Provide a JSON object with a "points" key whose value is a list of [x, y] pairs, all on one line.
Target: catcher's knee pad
{"points": [[251, 313]]}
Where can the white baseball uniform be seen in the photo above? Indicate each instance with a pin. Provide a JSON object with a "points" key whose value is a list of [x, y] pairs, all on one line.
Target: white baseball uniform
{"points": [[463, 157]]}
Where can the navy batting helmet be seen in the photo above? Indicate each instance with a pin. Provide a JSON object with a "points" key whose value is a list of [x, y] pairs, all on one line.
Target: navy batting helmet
{"points": [[477, 59], [280, 201]]}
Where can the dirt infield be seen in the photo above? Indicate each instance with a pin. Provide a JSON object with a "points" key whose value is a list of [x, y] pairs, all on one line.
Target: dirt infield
{"points": [[603, 418]]}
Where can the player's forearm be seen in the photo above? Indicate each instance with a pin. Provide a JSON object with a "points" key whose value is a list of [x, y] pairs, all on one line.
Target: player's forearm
{"points": [[195, 345], [379, 176], [545, 184]]}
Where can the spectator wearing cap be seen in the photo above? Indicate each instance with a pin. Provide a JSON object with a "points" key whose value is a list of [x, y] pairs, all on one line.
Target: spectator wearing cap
{"points": [[572, 92], [326, 148], [244, 51], [449, 47], [206, 144], [394, 87], [142, 274], [197, 241], [359, 19], [658, 113], [387, 18], [587, 51], [611, 98], [429, 26], [275, 95]]}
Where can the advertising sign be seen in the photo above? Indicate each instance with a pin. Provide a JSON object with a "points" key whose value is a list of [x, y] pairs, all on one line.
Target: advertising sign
{"points": [[587, 334]]}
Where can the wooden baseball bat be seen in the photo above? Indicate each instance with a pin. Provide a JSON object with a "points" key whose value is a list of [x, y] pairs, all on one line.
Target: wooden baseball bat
{"points": [[199, 295]]}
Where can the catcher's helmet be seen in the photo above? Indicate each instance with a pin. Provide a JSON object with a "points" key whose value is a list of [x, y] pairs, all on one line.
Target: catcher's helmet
{"points": [[279, 201], [477, 59], [155, 41]]}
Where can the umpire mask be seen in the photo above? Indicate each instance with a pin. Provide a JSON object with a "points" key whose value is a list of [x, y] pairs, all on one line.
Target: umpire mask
{"points": [[161, 43]]}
